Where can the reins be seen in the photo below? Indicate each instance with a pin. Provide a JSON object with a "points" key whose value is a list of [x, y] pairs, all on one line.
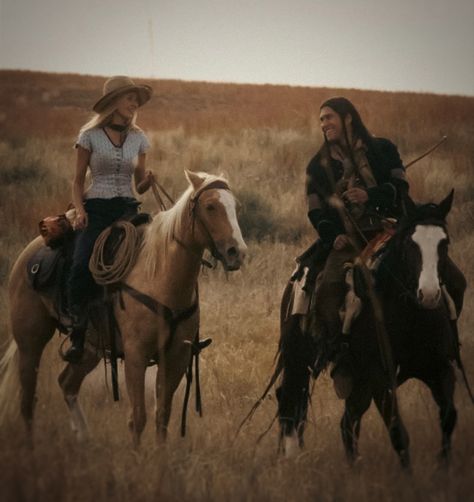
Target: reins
{"points": [[217, 184]]}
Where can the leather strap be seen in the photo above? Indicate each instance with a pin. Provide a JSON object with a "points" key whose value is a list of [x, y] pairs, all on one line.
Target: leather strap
{"points": [[158, 308]]}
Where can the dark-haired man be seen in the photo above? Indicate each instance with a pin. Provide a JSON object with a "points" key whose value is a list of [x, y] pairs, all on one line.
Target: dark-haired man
{"points": [[366, 174], [354, 182]]}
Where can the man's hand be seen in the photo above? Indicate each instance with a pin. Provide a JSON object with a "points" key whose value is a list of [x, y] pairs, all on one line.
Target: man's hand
{"points": [[356, 195], [342, 240]]}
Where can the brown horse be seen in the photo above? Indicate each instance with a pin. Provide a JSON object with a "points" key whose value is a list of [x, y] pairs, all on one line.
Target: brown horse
{"points": [[421, 293], [166, 272]]}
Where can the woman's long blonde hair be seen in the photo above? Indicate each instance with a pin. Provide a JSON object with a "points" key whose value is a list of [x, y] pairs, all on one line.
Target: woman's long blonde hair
{"points": [[104, 118]]}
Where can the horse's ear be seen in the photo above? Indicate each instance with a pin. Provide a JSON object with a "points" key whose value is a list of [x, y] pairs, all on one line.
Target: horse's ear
{"points": [[445, 205], [194, 179]]}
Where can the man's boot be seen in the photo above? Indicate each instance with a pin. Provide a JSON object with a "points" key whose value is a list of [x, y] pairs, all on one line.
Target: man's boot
{"points": [[76, 350], [341, 373]]}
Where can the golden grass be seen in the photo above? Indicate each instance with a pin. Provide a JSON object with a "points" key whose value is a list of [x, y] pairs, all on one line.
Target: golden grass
{"points": [[261, 137]]}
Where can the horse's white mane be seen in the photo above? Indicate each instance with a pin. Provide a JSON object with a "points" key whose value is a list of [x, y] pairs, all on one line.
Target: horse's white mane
{"points": [[168, 224]]}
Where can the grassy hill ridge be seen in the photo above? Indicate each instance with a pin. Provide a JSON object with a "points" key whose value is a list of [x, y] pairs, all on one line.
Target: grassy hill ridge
{"points": [[48, 104]]}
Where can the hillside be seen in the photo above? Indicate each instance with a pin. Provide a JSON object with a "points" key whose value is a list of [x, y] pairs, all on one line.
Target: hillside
{"points": [[262, 138], [43, 104]]}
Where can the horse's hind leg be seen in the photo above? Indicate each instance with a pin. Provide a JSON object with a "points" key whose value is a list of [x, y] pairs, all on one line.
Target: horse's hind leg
{"points": [[387, 405], [441, 384], [31, 331], [356, 405], [70, 381], [296, 355]]}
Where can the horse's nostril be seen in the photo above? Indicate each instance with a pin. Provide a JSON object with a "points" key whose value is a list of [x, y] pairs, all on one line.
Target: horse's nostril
{"points": [[420, 295], [232, 252]]}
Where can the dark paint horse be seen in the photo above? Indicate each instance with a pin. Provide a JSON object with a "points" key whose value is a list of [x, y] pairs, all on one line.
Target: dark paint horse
{"points": [[419, 325]]}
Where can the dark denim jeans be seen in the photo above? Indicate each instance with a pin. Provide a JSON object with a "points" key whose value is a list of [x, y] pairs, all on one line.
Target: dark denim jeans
{"points": [[101, 213]]}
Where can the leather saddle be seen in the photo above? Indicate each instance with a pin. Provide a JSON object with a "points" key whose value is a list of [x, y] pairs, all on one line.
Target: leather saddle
{"points": [[48, 272]]}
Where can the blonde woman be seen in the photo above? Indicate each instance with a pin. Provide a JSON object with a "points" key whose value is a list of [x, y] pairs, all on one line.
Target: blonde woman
{"points": [[113, 148]]}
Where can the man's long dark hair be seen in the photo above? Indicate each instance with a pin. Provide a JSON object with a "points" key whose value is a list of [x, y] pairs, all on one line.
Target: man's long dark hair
{"points": [[343, 107]]}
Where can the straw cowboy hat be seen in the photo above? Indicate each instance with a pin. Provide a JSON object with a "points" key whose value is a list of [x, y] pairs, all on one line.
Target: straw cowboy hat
{"points": [[116, 86]]}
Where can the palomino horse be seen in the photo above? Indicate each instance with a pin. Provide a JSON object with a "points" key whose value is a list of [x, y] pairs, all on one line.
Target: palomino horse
{"points": [[419, 320], [166, 273]]}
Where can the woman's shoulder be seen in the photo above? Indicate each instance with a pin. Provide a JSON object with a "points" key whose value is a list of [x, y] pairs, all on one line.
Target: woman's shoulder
{"points": [[87, 137], [92, 133]]}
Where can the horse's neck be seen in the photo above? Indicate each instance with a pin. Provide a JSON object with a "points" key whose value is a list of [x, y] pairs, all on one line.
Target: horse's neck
{"points": [[177, 278], [175, 281]]}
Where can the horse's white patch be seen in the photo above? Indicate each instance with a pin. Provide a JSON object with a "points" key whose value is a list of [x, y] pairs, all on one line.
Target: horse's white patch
{"points": [[290, 446], [428, 237], [78, 420], [228, 201]]}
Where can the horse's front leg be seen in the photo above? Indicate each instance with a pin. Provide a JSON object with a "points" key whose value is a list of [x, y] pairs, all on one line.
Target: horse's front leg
{"points": [[135, 367], [386, 402], [356, 405], [70, 381], [172, 367], [441, 383]]}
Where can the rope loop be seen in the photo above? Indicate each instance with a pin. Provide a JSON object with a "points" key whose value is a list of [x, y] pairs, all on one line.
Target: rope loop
{"points": [[108, 270]]}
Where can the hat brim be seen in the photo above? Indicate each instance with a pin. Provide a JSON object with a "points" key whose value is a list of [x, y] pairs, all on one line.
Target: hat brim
{"points": [[144, 94]]}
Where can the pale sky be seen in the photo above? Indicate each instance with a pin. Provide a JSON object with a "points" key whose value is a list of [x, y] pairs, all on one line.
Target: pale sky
{"points": [[413, 45]]}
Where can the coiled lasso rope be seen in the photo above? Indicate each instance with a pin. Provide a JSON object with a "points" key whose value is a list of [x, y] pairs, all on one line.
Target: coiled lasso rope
{"points": [[124, 258]]}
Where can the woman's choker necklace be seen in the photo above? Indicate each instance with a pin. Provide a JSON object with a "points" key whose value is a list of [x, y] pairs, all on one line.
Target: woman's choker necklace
{"points": [[118, 127]]}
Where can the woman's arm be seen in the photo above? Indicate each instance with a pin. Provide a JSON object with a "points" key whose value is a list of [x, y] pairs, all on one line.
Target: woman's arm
{"points": [[143, 178], [82, 163]]}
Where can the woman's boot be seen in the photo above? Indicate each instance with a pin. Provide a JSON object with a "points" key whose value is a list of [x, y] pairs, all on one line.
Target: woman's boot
{"points": [[78, 335]]}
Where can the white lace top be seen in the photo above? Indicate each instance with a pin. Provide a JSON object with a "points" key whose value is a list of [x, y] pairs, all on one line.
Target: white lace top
{"points": [[111, 165]]}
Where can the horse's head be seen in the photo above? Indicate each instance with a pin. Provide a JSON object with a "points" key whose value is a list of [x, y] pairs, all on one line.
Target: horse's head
{"points": [[216, 225], [424, 240]]}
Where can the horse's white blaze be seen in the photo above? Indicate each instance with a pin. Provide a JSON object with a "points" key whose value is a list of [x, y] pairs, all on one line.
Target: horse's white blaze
{"points": [[228, 201], [291, 446], [428, 237]]}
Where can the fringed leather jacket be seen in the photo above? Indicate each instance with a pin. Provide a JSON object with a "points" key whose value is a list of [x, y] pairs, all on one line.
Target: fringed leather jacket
{"points": [[385, 200]]}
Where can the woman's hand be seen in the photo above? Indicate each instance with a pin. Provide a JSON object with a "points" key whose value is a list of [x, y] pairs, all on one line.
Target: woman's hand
{"points": [[149, 177], [81, 220], [356, 195], [341, 241], [146, 181]]}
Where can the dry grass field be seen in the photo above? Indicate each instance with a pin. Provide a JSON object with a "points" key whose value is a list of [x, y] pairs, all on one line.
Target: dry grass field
{"points": [[261, 137]]}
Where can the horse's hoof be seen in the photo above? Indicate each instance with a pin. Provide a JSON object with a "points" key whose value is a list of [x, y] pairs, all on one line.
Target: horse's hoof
{"points": [[291, 446], [73, 355]]}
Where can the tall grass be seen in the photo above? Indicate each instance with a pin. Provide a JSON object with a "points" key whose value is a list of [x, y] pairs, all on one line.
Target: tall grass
{"points": [[261, 137]]}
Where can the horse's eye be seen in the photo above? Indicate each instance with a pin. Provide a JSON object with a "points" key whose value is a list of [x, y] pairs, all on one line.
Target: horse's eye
{"points": [[210, 207]]}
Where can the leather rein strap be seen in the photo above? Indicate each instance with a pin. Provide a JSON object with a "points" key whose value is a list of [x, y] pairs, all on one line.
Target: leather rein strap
{"points": [[158, 308]]}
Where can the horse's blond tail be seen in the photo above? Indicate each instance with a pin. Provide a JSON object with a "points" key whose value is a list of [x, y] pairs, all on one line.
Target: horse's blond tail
{"points": [[9, 384]]}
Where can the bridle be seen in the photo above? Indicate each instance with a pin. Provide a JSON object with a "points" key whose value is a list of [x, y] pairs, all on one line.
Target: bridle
{"points": [[193, 206]]}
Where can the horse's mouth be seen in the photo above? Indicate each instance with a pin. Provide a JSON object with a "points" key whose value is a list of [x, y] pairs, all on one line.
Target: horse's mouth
{"points": [[231, 268]]}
